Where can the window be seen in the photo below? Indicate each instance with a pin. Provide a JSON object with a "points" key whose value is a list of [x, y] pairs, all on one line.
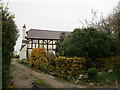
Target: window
{"points": [[54, 46], [35, 41], [50, 41], [41, 41], [49, 46], [45, 46], [54, 41]]}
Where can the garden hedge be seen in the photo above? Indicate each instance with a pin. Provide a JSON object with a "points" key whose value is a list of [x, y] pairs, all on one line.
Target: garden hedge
{"points": [[71, 68]]}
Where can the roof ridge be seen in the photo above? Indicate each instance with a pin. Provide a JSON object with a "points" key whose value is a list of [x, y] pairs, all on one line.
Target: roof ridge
{"points": [[47, 30]]}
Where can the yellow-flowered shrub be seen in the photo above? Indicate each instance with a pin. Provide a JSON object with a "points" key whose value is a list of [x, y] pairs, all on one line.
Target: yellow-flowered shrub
{"points": [[38, 57], [73, 67], [68, 67]]}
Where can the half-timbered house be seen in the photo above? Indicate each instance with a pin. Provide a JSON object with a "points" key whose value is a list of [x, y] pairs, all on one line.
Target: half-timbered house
{"points": [[35, 38]]}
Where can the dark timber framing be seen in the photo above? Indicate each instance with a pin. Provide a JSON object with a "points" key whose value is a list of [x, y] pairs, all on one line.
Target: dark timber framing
{"points": [[45, 43], [46, 39]]}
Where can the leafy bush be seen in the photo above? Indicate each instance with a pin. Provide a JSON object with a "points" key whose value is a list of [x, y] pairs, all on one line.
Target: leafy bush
{"points": [[68, 67], [9, 35], [105, 64], [88, 42], [38, 56], [62, 37], [92, 73], [51, 56], [71, 68], [104, 79], [23, 61], [44, 67]]}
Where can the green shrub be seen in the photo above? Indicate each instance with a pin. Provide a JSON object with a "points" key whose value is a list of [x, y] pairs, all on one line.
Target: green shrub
{"points": [[23, 61], [51, 56], [19, 61], [104, 79], [9, 35], [88, 42], [44, 67], [71, 67], [105, 64], [92, 73]]}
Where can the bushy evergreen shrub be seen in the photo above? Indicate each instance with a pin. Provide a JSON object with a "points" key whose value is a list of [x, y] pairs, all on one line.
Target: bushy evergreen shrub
{"points": [[9, 35], [88, 42], [92, 73]]}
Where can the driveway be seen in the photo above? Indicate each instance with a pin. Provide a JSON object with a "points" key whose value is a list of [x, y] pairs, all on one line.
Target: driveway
{"points": [[23, 77]]}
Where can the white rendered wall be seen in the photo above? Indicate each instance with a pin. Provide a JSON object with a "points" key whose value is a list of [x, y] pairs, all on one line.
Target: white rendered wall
{"points": [[24, 49], [23, 53]]}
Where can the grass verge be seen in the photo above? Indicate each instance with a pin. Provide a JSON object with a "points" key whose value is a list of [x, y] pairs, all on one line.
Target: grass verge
{"points": [[40, 83]]}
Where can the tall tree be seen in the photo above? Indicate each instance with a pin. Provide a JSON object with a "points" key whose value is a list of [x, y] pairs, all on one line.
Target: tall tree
{"points": [[9, 37], [110, 24]]}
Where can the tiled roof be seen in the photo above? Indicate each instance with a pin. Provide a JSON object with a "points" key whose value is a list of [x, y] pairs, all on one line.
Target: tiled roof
{"points": [[45, 34]]}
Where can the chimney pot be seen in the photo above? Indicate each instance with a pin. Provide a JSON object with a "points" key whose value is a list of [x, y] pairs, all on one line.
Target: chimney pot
{"points": [[24, 26]]}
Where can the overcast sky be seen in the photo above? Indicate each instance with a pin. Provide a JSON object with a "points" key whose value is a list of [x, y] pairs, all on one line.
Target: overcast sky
{"points": [[56, 14]]}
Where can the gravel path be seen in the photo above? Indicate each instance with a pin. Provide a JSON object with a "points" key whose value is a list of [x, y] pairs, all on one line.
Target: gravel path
{"points": [[24, 76]]}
